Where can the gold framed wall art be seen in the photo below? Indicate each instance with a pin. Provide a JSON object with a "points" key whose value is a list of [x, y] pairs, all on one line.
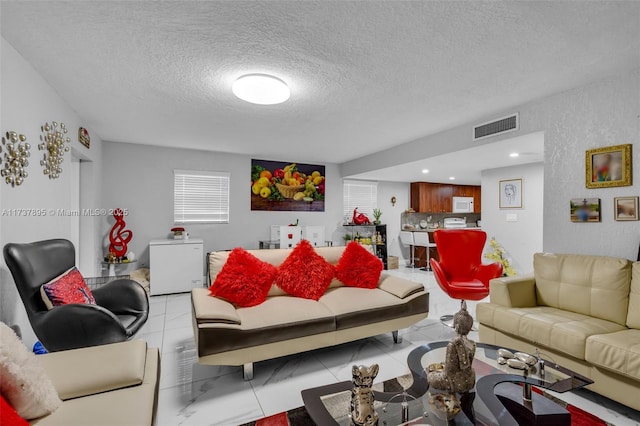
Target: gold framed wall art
{"points": [[608, 166]]}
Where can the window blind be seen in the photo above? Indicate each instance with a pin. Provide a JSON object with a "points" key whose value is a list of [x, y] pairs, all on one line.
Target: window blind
{"points": [[360, 194], [200, 196]]}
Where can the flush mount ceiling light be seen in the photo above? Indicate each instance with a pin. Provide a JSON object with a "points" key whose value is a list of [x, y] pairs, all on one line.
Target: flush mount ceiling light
{"points": [[425, 171], [514, 155], [261, 89]]}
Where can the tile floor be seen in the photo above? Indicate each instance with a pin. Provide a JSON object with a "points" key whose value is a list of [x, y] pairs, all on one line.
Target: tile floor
{"points": [[198, 395]]}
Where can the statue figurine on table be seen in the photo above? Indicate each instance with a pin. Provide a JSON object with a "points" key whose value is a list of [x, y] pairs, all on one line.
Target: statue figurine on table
{"points": [[456, 374], [362, 411]]}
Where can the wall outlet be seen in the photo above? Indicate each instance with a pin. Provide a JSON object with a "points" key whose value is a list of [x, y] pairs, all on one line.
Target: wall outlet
{"points": [[512, 217]]}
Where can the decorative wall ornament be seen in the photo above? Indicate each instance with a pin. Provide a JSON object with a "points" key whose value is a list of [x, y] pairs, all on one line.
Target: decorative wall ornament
{"points": [[83, 137], [53, 145], [16, 151]]}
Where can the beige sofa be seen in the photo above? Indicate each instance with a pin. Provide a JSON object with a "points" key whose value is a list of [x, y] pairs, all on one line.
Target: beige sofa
{"points": [[583, 312], [285, 325], [115, 384]]}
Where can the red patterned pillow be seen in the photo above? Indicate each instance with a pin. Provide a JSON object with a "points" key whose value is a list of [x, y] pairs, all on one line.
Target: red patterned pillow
{"points": [[244, 279], [358, 267], [305, 273], [67, 288]]}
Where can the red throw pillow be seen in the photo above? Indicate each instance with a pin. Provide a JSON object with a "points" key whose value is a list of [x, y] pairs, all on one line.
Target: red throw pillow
{"points": [[9, 415], [358, 267], [244, 279], [305, 273], [67, 288]]}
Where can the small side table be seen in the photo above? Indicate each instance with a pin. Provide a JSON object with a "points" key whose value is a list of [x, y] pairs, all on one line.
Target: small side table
{"points": [[112, 266]]}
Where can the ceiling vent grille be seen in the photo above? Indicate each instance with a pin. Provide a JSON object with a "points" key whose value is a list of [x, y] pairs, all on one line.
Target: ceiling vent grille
{"points": [[506, 124]]}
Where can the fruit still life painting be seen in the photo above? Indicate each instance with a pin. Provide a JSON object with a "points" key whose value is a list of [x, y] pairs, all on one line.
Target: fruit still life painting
{"points": [[286, 186]]}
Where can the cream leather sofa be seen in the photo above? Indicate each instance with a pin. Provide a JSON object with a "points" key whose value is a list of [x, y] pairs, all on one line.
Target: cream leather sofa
{"points": [[583, 312], [285, 325], [115, 384]]}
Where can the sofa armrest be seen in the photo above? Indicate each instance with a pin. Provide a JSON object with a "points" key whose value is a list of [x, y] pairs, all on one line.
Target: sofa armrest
{"points": [[207, 308], [399, 287], [513, 292], [96, 369]]}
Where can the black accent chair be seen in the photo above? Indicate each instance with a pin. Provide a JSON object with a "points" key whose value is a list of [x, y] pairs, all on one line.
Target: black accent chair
{"points": [[122, 305]]}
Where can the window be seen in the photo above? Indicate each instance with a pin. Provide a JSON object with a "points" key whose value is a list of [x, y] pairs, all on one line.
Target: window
{"points": [[200, 197], [360, 194]]}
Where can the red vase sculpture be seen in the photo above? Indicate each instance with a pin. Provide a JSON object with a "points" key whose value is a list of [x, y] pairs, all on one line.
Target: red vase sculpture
{"points": [[119, 237]]}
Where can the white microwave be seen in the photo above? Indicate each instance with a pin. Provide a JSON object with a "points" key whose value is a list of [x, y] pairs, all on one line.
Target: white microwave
{"points": [[462, 205]]}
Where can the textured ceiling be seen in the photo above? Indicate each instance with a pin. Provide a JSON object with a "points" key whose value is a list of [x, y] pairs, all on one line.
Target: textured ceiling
{"points": [[364, 75]]}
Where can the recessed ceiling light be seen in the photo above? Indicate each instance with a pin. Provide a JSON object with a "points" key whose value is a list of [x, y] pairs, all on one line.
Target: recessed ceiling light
{"points": [[261, 89], [425, 171], [452, 178], [514, 155]]}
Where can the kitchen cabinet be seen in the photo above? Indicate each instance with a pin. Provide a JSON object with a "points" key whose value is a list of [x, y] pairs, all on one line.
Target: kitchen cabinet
{"points": [[430, 197], [477, 199], [175, 266]]}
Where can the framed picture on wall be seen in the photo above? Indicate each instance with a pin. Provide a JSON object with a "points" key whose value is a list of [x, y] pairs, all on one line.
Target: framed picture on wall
{"points": [[285, 186], [585, 209], [510, 194], [625, 208], [608, 166]]}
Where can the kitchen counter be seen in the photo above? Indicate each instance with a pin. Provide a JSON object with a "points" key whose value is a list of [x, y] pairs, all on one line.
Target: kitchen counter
{"points": [[420, 252], [435, 229]]}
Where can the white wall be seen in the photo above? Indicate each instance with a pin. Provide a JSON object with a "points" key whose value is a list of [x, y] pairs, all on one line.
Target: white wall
{"points": [[27, 103], [523, 237], [604, 113], [391, 214], [145, 188]]}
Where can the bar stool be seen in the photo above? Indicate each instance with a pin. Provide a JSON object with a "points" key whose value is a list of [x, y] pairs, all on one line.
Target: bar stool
{"points": [[406, 237], [421, 239]]}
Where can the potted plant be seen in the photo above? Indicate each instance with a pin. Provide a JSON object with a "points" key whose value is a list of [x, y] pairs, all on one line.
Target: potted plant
{"points": [[376, 216], [498, 255]]}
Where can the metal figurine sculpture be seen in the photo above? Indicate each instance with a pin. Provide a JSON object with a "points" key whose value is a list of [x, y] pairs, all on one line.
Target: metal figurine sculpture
{"points": [[119, 237], [456, 374], [362, 411]]}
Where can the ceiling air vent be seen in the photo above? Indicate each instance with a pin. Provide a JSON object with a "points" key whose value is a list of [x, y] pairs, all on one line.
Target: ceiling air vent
{"points": [[501, 125]]}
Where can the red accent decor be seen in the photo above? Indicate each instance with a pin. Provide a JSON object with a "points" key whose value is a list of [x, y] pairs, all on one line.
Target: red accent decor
{"points": [[118, 236], [358, 267], [9, 415], [280, 419], [360, 218], [579, 417], [68, 288], [460, 272], [244, 279], [305, 273]]}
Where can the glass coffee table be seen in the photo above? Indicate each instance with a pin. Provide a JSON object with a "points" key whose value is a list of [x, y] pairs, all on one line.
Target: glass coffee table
{"points": [[502, 395]]}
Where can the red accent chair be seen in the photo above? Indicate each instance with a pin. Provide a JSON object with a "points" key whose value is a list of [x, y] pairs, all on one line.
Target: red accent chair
{"points": [[460, 271]]}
